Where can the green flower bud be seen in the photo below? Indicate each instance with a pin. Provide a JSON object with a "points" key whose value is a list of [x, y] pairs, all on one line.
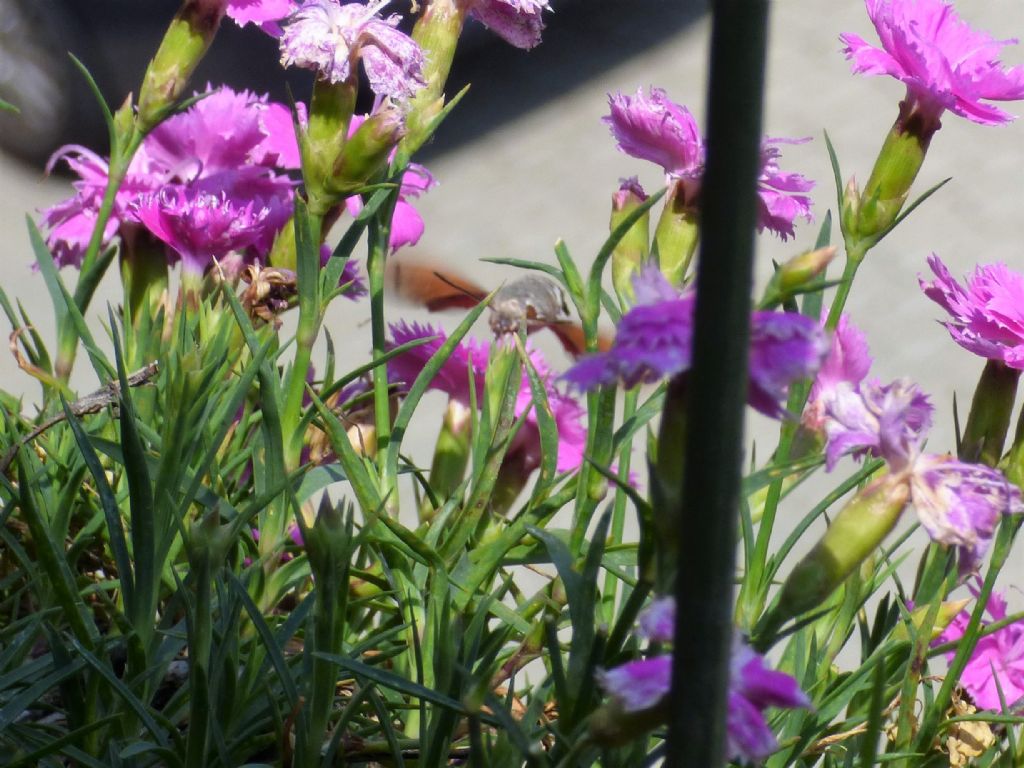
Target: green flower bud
{"points": [[797, 275], [437, 31], [324, 140], [451, 454], [896, 167], [634, 247], [677, 233], [183, 47], [328, 543], [612, 726], [854, 534], [989, 420], [367, 150]]}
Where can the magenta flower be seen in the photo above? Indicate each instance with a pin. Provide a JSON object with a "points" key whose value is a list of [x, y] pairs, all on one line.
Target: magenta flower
{"points": [[517, 22], [987, 315], [644, 683], [888, 422], [960, 504], [752, 689], [640, 684], [654, 340], [406, 222], [943, 62], [657, 621], [329, 37], [202, 226], [997, 664], [350, 275], [69, 223], [227, 142], [262, 12], [848, 361], [656, 129], [469, 358], [779, 198]]}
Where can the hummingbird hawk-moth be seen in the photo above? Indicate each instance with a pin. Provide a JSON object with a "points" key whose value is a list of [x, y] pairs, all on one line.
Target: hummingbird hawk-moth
{"points": [[531, 301]]}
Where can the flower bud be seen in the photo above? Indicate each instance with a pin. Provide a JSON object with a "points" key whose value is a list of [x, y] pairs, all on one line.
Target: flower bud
{"points": [[798, 274], [989, 420], [678, 231], [367, 150], [183, 47], [895, 169], [324, 139], [328, 542], [634, 247], [854, 534], [437, 31], [947, 612], [451, 454]]}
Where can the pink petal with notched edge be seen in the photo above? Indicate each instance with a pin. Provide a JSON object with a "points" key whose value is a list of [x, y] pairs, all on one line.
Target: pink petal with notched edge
{"points": [[945, 64]]}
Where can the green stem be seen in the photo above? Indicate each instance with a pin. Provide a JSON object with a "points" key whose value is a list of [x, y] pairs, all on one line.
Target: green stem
{"points": [[379, 235], [855, 253], [310, 317], [618, 525], [67, 338]]}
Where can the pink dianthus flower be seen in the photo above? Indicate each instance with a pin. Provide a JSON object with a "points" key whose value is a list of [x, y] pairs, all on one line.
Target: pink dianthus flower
{"points": [[262, 12], [202, 226], [470, 358], [644, 683], [997, 664], [330, 37], [987, 315], [227, 142], [848, 361], [654, 340], [944, 63], [780, 198], [517, 22], [657, 129]]}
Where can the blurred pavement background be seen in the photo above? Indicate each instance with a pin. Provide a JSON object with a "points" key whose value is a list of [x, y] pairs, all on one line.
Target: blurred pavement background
{"points": [[526, 160]]}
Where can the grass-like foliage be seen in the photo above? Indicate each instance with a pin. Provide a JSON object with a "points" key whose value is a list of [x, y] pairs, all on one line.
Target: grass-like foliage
{"points": [[221, 553]]}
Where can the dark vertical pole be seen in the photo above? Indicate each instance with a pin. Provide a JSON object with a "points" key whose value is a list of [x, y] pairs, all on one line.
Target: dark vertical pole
{"points": [[716, 388]]}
